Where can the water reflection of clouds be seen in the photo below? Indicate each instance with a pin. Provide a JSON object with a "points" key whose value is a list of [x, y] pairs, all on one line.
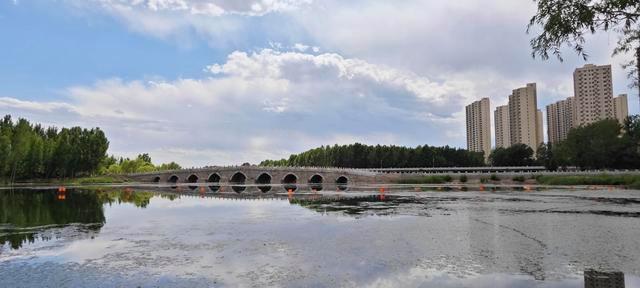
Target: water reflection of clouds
{"points": [[273, 243], [417, 277]]}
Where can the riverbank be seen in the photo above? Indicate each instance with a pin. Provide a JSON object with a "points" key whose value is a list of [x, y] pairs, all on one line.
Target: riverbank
{"points": [[631, 181], [102, 179]]}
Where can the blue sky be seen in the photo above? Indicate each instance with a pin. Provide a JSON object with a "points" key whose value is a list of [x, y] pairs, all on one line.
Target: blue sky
{"points": [[216, 82]]}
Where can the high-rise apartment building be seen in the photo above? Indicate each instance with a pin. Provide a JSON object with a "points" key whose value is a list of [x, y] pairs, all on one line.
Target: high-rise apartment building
{"points": [[620, 108], [539, 127], [593, 90], [501, 120], [559, 120], [479, 127], [523, 116]]}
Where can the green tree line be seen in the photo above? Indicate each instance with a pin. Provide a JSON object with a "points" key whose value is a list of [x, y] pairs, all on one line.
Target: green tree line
{"points": [[140, 164], [605, 144], [601, 145], [31, 151], [365, 156]]}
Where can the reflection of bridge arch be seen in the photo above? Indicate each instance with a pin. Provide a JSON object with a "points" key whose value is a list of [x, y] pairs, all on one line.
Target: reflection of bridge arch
{"points": [[238, 181], [342, 182], [264, 182], [315, 182], [214, 180], [290, 182]]}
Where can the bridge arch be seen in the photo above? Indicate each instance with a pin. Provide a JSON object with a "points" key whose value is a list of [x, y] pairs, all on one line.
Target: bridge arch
{"points": [[193, 178], [214, 180], [342, 182], [264, 182], [238, 181], [315, 182], [156, 179], [290, 182], [173, 179]]}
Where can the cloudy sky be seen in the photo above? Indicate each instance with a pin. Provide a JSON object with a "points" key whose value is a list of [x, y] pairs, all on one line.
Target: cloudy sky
{"points": [[217, 82]]}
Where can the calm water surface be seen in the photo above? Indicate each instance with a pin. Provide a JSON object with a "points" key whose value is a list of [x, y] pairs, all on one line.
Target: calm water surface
{"points": [[125, 238]]}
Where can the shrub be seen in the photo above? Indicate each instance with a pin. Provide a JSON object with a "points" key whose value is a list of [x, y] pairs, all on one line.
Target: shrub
{"points": [[432, 179], [484, 180], [495, 177], [519, 178], [602, 179], [463, 178]]}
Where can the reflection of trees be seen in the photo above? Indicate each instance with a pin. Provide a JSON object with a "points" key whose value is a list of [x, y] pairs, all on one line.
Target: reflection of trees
{"points": [[24, 214], [139, 199]]}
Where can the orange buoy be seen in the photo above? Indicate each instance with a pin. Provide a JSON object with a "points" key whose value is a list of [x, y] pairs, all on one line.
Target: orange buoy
{"points": [[481, 187], [62, 189], [202, 190]]}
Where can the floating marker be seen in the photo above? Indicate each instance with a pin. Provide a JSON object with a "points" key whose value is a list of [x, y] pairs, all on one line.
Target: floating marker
{"points": [[62, 189]]}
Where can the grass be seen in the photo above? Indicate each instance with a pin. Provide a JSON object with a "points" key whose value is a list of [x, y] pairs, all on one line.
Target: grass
{"points": [[103, 179], [633, 181], [432, 179]]}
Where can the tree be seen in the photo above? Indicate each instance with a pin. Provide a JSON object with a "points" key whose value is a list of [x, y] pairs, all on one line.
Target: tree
{"points": [[516, 155], [30, 151], [566, 22], [544, 155], [363, 156], [600, 145]]}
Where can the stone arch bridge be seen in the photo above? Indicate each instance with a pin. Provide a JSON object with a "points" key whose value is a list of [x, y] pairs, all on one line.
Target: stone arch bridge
{"points": [[245, 179]]}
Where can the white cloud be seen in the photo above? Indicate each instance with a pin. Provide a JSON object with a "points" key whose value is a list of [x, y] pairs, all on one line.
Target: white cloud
{"points": [[260, 105], [206, 7], [12, 103]]}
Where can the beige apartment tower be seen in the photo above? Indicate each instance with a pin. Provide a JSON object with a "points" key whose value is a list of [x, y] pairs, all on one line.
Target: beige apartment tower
{"points": [[523, 117], [479, 127], [593, 90], [559, 120], [539, 127], [620, 108], [501, 119]]}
